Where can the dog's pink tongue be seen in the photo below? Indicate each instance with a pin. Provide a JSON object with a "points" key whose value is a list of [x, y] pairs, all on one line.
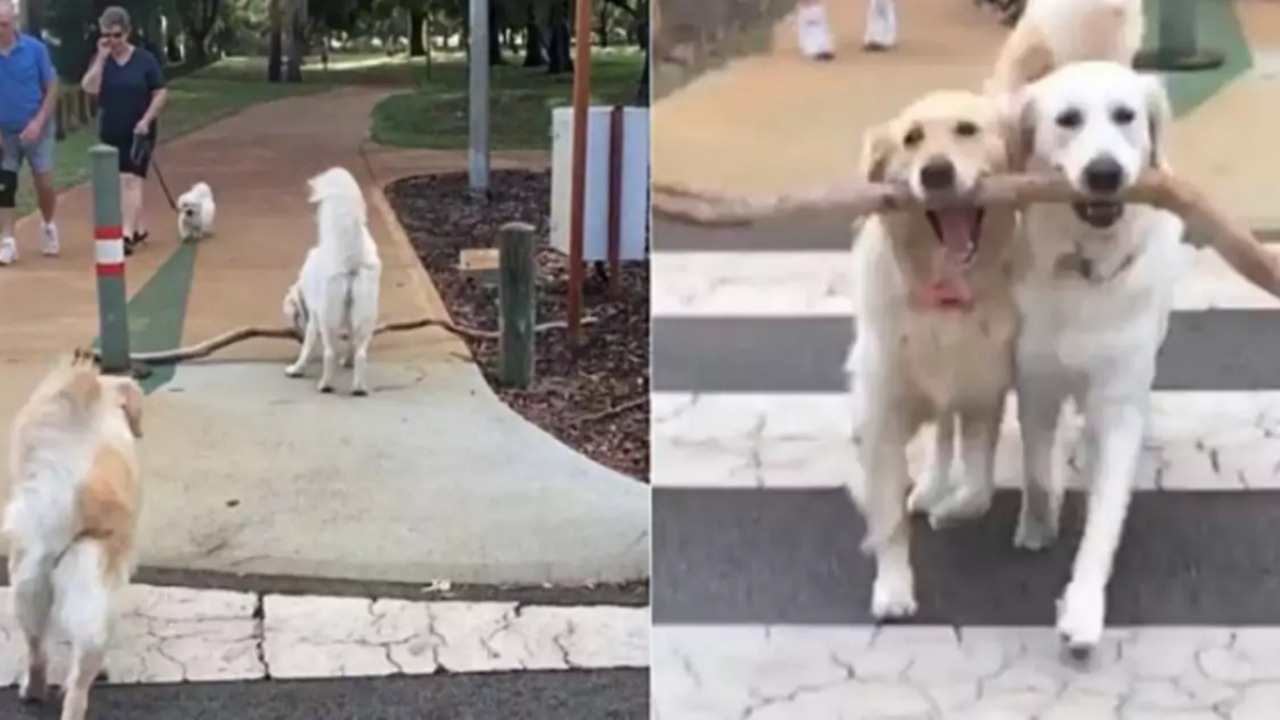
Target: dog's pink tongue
{"points": [[956, 228]]}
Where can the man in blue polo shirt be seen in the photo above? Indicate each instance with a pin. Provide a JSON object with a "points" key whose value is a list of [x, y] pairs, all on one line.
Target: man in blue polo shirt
{"points": [[28, 96]]}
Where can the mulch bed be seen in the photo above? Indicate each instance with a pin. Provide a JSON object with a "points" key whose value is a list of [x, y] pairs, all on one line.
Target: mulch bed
{"points": [[442, 217]]}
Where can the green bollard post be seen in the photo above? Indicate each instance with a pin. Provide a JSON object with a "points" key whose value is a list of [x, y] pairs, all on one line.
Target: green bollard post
{"points": [[1176, 47], [108, 243], [517, 303]]}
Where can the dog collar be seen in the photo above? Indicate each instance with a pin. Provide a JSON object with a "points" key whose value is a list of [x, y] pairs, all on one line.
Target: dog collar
{"points": [[1075, 264]]}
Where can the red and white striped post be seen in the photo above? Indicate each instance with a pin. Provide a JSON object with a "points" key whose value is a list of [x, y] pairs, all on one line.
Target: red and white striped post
{"points": [[108, 243]]}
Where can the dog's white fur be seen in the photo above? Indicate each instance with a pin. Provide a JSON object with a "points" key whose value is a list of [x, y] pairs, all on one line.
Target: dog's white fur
{"points": [[1093, 339], [195, 212], [1053, 33], [337, 288], [914, 363], [71, 519]]}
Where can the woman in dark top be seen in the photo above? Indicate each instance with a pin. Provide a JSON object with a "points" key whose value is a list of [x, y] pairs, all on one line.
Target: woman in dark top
{"points": [[129, 85]]}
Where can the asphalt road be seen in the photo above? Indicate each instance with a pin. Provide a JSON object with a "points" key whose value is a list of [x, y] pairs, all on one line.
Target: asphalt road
{"points": [[571, 695]]}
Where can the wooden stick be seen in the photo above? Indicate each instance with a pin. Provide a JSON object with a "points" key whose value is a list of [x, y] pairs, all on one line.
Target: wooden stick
{"points": [[615, 410], [212, 345], [1229, 238]]}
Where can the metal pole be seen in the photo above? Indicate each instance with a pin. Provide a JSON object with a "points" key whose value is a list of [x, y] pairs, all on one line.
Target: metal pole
{"points": [[578, 194], [1176, 47], [478, 93], [108, 244]]}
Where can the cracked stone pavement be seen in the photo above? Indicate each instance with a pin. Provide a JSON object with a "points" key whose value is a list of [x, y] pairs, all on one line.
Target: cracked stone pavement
{"points": [[943, 673], [173, 634]]}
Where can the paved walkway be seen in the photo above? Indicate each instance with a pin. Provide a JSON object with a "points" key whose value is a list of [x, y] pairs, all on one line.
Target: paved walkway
{"points": [[431, 477]]}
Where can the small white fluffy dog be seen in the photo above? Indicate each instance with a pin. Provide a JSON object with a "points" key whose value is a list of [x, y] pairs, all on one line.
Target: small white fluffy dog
{"points": [[1095, 308], [1053, 33], [195, 212], [936, 320], [72, 518], [337, 288]]}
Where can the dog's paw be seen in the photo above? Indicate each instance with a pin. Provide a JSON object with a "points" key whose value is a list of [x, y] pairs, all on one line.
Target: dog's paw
{"points": [[1037, 522], [359, 392], [926, 496], [325, 388], [962, 505], [33, 687], [1034, 533], [893, 597], [1081, 616], [294, 371]]}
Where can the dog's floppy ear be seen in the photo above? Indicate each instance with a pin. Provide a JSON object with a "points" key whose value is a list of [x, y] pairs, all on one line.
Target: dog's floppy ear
{"points": [[877, 145], [1019, 112], [1159, 115]]}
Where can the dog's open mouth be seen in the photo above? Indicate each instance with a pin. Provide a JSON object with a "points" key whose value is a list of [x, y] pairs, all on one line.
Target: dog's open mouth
{"points": [[1099, 213], [957, 231]]}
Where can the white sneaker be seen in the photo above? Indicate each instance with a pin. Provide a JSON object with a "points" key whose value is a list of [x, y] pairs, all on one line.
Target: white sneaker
{"points": [[49, 245], [815, 36], [8, 251]]}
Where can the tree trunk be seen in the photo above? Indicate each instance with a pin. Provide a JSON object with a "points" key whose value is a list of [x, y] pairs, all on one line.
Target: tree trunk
{"points": [[495, 34], [534, 54], [276, 51], [559, 50], [603, 29], [642, 88], [297, 41], [33, 14], [417, 20]]}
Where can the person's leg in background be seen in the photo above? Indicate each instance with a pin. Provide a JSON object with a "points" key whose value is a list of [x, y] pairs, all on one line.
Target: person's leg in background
{"points": [[130, 204], [882, 25], [815, 35], [40, 158], [10, 161]]}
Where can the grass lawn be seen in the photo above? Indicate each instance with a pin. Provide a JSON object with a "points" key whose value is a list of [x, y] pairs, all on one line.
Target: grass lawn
{"points": [[194, 102], [435, 114]]}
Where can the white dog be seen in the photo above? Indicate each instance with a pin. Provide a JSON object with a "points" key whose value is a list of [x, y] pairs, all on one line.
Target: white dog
{"points": [[337, 288], [71, 519], [195, 212], [1053, 33], [1095, 308]]}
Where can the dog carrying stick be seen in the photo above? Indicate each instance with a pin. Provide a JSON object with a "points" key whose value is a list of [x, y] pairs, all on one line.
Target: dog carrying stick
{"points": [[1228, 237]]}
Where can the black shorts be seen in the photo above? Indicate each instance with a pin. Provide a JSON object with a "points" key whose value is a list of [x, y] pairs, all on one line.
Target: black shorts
{"points": [[124, 148]]}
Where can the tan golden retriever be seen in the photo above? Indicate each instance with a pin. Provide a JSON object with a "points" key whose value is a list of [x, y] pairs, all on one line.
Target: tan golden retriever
{"points": [[936, 325], [72, 518]]}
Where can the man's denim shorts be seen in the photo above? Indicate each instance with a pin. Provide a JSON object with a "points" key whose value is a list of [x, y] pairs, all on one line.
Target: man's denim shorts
{"points": [[39, 154]]}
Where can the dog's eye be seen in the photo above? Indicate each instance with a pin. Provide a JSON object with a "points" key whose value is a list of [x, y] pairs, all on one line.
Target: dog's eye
{"points": [[1122, 115], [964, 128], [913, 137], [1069, 119]]}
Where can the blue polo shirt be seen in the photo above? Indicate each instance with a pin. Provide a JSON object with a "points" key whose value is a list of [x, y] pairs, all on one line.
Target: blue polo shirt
{"points": [[24, 72]]}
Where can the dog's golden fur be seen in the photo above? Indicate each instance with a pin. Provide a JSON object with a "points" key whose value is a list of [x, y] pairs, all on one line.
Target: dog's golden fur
{"points": [[914, 362]]}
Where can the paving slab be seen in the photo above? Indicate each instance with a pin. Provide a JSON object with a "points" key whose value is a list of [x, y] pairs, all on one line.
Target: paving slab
{"points": [[428, 478]]}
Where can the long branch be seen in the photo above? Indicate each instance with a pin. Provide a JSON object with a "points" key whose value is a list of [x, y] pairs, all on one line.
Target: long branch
{"points": [[231, 337], [1229, 238]]}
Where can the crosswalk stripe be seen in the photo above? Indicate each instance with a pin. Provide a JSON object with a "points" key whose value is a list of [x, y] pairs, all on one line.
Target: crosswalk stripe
{"points": [[783, 284], [171, 634], [1195, 441]]}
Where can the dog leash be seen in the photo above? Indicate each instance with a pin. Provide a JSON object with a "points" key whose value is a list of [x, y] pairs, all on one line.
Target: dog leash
{"points": [[143, 146]]}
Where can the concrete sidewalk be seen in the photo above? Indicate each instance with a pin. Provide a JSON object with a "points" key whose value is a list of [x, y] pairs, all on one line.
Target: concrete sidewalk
{"points": [[431, 477]]}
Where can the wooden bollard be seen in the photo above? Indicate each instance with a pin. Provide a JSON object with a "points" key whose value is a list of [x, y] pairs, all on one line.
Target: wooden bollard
{"points": [[517, 303]]}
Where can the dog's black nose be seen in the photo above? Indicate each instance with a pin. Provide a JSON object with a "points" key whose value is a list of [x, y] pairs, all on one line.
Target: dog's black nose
{"points": [[1103, 175], [938, 174]]}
